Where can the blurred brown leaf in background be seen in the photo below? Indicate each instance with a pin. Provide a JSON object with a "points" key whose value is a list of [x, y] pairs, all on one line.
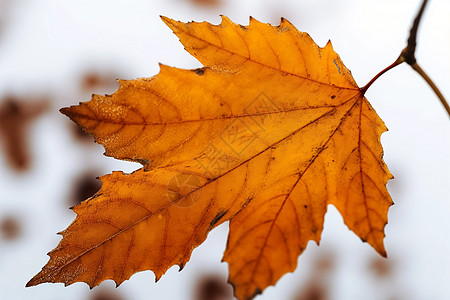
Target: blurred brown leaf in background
{"points": [[105, 294], [213, 287], [94, 80], [207, 2], [16, 116], [381, 267], [320, 279], [10, 227], [85, 186]]}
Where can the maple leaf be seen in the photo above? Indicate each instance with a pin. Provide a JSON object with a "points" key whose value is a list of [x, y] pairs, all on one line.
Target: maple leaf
{"points": [[269, 132]]}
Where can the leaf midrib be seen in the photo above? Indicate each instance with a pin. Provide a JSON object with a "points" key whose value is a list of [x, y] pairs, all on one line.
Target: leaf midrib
{"points": [[228, 117]]}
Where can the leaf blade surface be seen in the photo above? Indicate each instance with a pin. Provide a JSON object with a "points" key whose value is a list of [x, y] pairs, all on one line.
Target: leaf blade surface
{"points": [[269, 132]]}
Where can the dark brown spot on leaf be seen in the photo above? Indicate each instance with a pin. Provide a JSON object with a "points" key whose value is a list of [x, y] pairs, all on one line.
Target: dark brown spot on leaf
{"points": [[199, 72], [256, 293], [217, 219]]}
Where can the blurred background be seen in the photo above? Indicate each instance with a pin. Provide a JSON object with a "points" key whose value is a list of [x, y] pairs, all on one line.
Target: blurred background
{"points": [[57, 53]]}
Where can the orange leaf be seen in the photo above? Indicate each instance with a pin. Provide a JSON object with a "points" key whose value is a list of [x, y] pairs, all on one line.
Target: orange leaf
{"points": [[267, 134]]}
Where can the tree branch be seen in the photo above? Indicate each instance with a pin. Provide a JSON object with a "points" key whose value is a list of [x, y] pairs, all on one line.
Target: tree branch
{"points": [[409, 52], [408, 55], [430, 82]]}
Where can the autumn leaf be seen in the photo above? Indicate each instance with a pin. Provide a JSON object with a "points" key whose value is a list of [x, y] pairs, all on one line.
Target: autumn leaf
{"points": [[268, 133]]}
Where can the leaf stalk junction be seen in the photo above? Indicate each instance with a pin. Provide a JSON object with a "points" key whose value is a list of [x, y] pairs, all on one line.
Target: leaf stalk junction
{"points": [[408, 55]]}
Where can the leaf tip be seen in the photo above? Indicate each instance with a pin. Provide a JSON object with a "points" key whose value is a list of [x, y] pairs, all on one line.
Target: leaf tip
{"points": [[329, 45], [377, 244], [225, 20], [163, 67], [285, 22], [30, 283], [380, 250], [171, 23], [37, 279], [68, 111], [64, 110], [165, 19]]}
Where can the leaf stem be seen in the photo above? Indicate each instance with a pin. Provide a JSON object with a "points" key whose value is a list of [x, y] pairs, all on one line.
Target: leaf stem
{"points": [[399, 60]]}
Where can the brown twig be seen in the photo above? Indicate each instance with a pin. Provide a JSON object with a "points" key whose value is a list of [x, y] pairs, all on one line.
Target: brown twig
{"points": [[430, 82], [408, 55], [409, 52]]}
